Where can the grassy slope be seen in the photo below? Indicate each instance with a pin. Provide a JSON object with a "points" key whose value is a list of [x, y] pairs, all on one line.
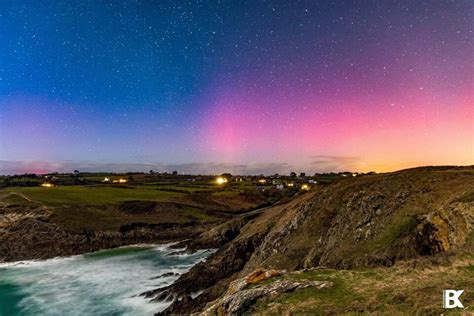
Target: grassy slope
{"points": [[409, 287], [400, 289], [336, 212]]}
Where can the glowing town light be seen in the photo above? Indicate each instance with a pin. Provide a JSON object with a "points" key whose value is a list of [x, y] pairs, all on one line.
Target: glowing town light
{"points": [[262, 181], [305, 187], [106, 179], [221, 180], [120, 181], [47, 185]]}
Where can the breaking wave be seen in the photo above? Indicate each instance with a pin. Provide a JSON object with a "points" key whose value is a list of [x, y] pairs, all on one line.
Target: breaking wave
{"points": [[106, 282]]}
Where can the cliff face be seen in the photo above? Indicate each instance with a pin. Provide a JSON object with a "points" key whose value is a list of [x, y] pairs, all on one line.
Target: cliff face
{"points": [[33, 238], [27, 232], [33, 227], [373, 220], [366, 221]]}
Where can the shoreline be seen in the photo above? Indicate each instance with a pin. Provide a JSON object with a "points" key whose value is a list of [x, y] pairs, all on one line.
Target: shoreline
{"points": [[21, 242], [117, 276], [138, 245]]}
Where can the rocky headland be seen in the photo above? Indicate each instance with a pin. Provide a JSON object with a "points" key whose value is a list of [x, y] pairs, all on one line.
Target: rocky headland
{"points": [[370, 221]]}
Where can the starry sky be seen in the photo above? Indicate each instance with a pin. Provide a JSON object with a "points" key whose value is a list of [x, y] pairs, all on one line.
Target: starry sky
{"points": [[239, 86]]}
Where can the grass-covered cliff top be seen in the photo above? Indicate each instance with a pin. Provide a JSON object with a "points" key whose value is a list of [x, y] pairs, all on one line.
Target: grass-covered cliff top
{"points": [[407, 288]]}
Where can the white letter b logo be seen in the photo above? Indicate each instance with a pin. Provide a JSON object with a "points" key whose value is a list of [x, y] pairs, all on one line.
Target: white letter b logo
{"points": [[451, 299]]}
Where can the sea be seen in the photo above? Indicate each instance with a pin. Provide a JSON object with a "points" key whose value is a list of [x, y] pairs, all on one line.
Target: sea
{"points": [[106, 282]]}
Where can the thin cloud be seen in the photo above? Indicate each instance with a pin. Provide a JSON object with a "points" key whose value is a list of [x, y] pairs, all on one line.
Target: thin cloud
{"points": [[41, 167], [317, 163], [325, 163]]}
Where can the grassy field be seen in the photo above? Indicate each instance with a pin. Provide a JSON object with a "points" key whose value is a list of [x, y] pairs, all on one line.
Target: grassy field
{"points": [[398, 290], [97, 207], [81, 207], [102, 194], [110, 218], [167, 187], [89, 195]]}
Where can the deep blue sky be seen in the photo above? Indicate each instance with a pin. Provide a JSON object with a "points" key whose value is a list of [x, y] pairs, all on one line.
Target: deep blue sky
{"points": [[237, 82]]}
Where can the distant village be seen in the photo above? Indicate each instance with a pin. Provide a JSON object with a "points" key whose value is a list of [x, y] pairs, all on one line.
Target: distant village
{"points": [[299, 181]]}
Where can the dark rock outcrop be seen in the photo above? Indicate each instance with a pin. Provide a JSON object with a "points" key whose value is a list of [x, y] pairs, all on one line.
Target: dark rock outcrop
{"points": [[211, 277], [239, 297], [36, 238]]}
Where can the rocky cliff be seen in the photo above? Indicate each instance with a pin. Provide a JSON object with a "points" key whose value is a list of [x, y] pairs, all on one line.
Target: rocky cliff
{"points": [[27, 232], [368, 221]]}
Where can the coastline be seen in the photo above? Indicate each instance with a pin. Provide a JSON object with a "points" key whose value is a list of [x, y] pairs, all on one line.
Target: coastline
{"points": [[137, 246], [21, 242], [101, 282]]}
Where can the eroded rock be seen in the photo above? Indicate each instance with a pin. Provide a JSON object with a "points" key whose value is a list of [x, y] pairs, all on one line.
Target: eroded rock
{"points": [[239, 297]]}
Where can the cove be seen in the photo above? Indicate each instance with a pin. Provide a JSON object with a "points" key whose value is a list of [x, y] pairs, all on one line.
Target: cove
{"points": [[106, 282]]}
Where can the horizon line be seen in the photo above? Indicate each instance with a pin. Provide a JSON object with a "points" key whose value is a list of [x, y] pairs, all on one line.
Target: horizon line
{"points": [[19, 167]]}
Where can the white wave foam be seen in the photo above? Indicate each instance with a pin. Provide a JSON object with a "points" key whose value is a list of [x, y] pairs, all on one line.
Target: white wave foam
{"points": [[104, 284]]}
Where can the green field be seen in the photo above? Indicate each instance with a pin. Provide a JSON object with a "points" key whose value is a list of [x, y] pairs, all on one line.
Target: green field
{"points": [[97, 207], [90, 195], [104, 206], [167, 187]]}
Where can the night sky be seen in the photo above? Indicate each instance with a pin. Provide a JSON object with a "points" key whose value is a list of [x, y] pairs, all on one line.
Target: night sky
{"points": [[239, 86]]}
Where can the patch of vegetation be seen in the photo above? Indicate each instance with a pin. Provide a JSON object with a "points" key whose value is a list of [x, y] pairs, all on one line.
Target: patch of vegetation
{"points": [[400, 229], [175, 188], [312, 300], [466, 198], [137, 207], [90, 195], [226, 193], [197, 214], [108, 207], [395, 290], [109, 217]]}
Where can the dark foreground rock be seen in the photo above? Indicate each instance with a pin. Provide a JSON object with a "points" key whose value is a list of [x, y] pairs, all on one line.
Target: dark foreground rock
{"points": [[239, 297], [211, 275]]}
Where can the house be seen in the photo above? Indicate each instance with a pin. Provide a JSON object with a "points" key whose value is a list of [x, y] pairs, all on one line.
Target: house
{"points": [[261, 188]]}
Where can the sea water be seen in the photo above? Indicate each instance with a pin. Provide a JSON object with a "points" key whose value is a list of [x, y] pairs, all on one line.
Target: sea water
{"points": [[101, 283]]}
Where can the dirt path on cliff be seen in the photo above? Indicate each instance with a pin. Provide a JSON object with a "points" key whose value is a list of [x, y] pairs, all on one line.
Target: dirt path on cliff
{"points": [[11, 215], [302, 197], [17, 194]]}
